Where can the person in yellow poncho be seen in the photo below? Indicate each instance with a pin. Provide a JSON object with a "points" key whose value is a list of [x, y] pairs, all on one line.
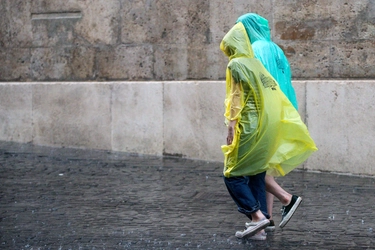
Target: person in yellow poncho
{"points": [[265, 132]]}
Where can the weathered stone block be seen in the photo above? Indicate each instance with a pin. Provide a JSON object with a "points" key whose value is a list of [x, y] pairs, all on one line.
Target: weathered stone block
{"points": [[360, 126], [82, 63], [137, 117], [100, 21], [303, 20], [126, 62], [178, 62], [69, 63], [324, 20], [19, 26], [50, 63], [182, 22], [72, 115], [339, 121], [15, 64], [139, 22], [357, 58], [193, 119], [98, 25], [309, 61], [162, 22], [197, 21], [4, 25], [55, 32], [171, 62], [16, 112], [355, 20], [197, 58]]}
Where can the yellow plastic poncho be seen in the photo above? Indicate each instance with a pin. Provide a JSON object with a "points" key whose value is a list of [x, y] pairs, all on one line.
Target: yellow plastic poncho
{"points": [[269, 135]]}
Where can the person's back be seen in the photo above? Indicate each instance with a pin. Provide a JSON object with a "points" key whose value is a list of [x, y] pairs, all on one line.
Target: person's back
{"points": [[269, 53], [275, 61]]}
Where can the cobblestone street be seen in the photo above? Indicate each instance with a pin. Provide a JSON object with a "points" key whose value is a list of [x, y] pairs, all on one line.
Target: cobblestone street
{"points": [[54, 198]]}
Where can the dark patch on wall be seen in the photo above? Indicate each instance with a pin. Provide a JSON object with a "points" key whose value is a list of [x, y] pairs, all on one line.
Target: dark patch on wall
{"points": [[303, 30], [294, 32], [288, 51]]}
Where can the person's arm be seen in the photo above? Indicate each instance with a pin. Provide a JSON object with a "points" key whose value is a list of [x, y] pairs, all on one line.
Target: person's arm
{"points": [[235, 110]]}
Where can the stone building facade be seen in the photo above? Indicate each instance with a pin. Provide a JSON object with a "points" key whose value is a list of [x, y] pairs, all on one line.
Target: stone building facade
{"points": [[142, 40]]}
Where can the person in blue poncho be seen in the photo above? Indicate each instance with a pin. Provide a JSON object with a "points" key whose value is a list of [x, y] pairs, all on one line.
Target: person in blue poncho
{"points": [[275, 61]]}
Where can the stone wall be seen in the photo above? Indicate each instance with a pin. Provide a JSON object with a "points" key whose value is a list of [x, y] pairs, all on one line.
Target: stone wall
{"points": [[144, 40], [182, 118]]}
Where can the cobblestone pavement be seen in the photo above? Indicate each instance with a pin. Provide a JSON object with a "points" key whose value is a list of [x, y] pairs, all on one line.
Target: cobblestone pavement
{"points": [[84, 199]]}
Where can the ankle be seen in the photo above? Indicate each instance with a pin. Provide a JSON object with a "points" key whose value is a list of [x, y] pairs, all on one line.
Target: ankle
{"points": [[287, 200], [260, 219]]}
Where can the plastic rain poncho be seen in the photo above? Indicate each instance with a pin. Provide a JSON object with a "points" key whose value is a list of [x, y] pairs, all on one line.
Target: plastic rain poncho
{"points": [[269, 53], [269, 135]]}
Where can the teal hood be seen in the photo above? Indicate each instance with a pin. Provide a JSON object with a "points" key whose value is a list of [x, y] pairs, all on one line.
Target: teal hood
{"points": [[256, 27]]}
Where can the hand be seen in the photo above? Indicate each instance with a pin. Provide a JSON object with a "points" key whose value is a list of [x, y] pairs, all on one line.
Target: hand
{"points": [[231, 129], [230, 135]]}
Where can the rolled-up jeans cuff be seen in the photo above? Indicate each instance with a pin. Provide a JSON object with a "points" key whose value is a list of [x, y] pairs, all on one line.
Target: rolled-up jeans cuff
{"points": [[249, 212]]}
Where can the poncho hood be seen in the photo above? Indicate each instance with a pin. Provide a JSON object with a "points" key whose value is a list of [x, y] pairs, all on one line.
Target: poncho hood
{"points": [[236, 43], [256, 27]]}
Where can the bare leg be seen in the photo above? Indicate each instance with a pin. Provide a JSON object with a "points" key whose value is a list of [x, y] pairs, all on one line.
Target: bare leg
{"points": [[269, 198], [272, 187], [290, 202], [257, 216]]}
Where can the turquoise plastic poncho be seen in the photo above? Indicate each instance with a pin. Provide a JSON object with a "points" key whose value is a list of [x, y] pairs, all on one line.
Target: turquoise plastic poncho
{"points": [[269, 135], [269, 53]]}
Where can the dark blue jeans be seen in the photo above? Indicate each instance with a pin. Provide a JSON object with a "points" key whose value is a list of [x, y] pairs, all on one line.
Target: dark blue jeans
{"points": [[249, 193]]}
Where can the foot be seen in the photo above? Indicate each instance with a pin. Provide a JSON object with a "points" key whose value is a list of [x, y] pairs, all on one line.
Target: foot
{"points": [[269, 228], [253, 228], [288, 211], [259, 236]]}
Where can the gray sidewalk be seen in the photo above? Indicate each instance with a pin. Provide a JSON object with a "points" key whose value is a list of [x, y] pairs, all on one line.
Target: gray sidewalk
{"points": [[84, 199]]}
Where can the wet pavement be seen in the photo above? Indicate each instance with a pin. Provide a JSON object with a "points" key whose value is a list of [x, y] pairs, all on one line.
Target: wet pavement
{"points": [[54, 198]]}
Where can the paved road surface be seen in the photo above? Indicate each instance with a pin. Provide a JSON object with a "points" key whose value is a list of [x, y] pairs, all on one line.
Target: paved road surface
{"points": [[84, 199]]}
